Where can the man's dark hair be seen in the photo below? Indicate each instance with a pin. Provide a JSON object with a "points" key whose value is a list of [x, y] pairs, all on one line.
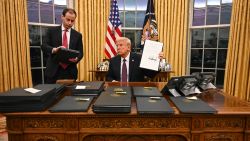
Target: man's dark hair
{"points": [[70, 10]]}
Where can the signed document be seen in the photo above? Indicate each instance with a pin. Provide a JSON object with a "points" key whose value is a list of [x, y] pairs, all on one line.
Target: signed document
{"points": [[150, 56]]}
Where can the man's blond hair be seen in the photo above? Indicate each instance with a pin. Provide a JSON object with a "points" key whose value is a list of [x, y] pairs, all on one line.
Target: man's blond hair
{"points": [[127, 40]]}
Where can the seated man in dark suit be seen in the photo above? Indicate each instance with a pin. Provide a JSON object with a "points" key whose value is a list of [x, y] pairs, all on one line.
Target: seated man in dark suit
{"points": [[125, 66]]}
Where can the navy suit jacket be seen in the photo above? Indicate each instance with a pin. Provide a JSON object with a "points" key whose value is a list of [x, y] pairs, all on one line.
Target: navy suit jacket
{"points": [[136, 74], [52, 40]]}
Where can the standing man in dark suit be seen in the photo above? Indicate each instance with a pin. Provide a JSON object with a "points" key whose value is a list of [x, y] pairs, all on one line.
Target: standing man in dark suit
{"points": [[63, 36], [125, 66]]}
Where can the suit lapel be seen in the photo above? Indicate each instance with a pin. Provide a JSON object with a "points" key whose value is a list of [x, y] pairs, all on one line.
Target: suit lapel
{"points": [[131, 65], [59, 36], [118, 68], [72, 34]]}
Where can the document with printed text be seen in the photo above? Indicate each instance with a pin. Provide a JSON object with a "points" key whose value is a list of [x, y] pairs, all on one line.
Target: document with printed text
{"points": [[150, 56]]}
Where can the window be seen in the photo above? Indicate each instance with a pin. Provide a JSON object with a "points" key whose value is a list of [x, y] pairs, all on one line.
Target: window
{"points": [[41, 15], [209, 37], [132, 14]]}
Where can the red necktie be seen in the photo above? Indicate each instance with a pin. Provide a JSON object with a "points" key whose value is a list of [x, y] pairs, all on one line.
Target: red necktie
{"points": [[65, 44], [65, 39], [124, 71]]}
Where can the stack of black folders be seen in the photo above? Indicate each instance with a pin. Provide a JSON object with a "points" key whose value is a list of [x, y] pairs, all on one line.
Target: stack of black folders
{"points": [[37, 98], [64, 54], [192, 106], [72, 104], [93, 88], [114, 99], [149, 100]]}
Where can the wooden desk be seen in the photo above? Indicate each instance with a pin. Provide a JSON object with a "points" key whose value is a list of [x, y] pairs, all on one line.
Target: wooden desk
{"points": [[162, 76], [231, 123]]}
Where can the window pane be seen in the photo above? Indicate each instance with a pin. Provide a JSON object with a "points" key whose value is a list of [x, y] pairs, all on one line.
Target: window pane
{"points": [[120, 4], [213, 2], [199, 17], [130, 19], [35, 57], [226, 1], [141, 4], [199, 3], [211, 38], [209, 70], [140, 18], [32, 0], [138, 39], [121, 15], [196, 58], [46, 1], [223, 40], [222, 56], [130, 5], [33, 12], [209, 58], [34, 33], [36, 76], [44, 31], [197, 38], [46, 13], [220, 78], [131, 35], [225, 14], [212, 15], [194, 70], [58, 13], [60, 2]]}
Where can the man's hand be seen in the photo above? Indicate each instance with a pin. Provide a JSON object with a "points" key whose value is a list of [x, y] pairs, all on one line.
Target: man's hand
{"points": [[73, 60], [55, 50], [160, 55]]}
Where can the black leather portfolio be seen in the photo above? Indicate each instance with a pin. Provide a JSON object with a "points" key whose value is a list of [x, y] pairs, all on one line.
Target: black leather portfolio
{"points": [[64, 54], [185, 105], [88, 88], [126, 90], [146, 91], [19, 100], [113, 100], [72, 104], [20, 95], [153, 105], [58, 87]]}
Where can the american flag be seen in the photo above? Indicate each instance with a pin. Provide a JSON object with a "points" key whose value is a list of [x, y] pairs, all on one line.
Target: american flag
{"points": [[113, 30]]}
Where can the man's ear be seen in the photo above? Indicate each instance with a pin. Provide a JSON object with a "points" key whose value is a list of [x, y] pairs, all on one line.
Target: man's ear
{"points": [[129, 48]]}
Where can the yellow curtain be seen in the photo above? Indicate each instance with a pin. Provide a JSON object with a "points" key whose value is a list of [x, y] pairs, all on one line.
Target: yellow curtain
{"points": [[92, 22], [172, 19], [237, 74], [15, 70]]}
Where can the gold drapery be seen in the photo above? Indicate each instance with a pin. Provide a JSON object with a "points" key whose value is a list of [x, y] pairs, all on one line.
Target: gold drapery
{"points": [[172, 20], [237, 74], [91, 21], [15, 70]]}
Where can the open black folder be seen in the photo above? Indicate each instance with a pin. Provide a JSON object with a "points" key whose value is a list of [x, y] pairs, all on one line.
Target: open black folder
{"points": [[88, 88], [64, 54]]}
